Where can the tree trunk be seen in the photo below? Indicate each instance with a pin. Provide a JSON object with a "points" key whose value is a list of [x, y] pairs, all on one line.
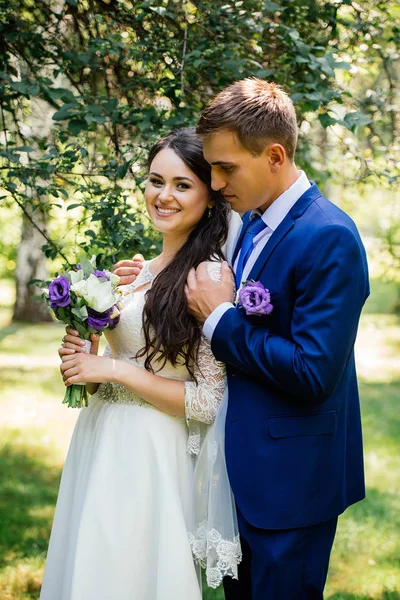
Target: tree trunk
{"points": [[31, 264]]}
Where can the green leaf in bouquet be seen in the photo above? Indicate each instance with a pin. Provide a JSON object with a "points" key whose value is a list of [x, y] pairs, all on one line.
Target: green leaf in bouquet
{"points": [[82, 330], [80, 313], [93, 330], [39, 282], [66, 275], [61, 313], [87, 266]]}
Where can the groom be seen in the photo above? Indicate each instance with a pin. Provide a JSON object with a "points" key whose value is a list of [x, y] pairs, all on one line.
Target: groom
{"points": [[293, 429]]}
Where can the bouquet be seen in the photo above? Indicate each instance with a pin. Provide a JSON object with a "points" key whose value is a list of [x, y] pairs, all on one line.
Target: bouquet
{"points": [[88, 300]]}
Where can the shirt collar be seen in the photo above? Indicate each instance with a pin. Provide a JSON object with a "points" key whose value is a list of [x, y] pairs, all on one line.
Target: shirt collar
{"points": [[278, 210]]}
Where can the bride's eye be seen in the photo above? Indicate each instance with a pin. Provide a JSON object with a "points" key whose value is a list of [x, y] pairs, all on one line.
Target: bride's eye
{"points": [[183, 186], [155, 181]]}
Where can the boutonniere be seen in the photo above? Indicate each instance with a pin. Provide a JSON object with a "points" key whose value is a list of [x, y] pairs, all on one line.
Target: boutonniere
{"points": [[254, 298]]}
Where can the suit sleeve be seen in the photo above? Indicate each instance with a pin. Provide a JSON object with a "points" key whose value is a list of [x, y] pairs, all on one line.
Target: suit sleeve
{"points": [[331, 287]]}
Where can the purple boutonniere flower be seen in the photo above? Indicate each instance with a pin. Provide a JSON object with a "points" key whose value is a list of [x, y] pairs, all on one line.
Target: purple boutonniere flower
{"points": [[255, 298], [59, 292]]}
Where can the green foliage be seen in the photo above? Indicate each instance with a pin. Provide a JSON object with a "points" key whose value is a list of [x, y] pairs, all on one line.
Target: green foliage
{"points": [[115, 76], [87, 86], [371, 35]]}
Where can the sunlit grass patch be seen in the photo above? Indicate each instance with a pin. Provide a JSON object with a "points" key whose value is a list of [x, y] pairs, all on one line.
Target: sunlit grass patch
{"points": [[366, 554], [28, 492], [43, 338], [21, 580]]}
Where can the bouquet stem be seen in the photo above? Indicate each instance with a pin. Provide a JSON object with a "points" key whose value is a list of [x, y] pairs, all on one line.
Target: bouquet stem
{"points": [[76, 396]]}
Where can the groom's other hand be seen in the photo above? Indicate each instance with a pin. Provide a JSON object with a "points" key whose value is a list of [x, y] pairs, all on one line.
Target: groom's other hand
{"points": [[204, 294], [128, 270]]}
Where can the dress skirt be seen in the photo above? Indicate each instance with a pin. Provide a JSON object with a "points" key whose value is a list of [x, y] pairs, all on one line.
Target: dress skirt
{"points": [[120, 526]]}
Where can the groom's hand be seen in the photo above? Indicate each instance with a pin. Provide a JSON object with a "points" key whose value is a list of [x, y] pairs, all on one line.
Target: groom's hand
{"points": [[204, 295]]}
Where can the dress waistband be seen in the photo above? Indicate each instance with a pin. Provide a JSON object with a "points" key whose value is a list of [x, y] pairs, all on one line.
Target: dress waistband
{"points": [[116, 393]]}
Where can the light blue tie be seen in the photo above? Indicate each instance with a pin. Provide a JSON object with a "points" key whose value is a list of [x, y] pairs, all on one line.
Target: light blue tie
{"points": [[254, 227]]}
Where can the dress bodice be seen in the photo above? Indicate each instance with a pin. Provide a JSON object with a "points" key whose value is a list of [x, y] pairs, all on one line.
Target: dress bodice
{"points": [[127, 338]]}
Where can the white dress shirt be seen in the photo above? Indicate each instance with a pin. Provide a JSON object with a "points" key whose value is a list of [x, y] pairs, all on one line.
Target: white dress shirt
{"points": [[272, 217]]}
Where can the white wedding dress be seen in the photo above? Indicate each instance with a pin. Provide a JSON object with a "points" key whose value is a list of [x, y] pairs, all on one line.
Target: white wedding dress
{"points": [[120, 530]]}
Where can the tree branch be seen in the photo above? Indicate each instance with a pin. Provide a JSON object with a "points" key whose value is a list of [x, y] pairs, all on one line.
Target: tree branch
{"points": [[46, 237]]}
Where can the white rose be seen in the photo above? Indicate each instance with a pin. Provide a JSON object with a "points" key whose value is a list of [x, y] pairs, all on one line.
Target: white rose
{"points": [[76, 276], [114, 279], [99, 294], [79, 287]]}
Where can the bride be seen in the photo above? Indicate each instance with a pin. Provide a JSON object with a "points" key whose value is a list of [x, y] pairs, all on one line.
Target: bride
{"points": [[138, 499]]}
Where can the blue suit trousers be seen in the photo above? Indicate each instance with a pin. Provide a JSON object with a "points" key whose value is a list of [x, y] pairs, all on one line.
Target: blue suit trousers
{"points": [[282, 564]]}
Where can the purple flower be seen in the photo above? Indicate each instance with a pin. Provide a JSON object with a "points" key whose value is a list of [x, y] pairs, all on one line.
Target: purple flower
{"points": [[115, 315], [114, 322], [59, 292], [98, 273], [255, 298], [97, 320]]}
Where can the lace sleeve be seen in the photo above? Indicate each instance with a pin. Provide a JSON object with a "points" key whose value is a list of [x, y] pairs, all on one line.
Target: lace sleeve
{"points": [[203, 398]]}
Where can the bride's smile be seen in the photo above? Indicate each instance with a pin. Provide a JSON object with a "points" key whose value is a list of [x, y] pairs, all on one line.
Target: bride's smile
{"points": [[176, 199]]}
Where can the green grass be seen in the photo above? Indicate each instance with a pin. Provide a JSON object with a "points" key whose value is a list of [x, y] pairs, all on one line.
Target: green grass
{"points": [[35, 430]]}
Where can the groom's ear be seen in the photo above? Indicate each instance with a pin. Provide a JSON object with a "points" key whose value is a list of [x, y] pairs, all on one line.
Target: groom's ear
{"points": [[276, 157]]}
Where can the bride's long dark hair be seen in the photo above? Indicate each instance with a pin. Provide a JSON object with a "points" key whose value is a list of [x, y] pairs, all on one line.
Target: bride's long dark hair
{"points": [[171, 333]]}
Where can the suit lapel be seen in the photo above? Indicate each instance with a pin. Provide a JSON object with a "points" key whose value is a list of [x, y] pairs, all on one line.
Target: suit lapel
{"points": [[270, 246], [283, 229]]}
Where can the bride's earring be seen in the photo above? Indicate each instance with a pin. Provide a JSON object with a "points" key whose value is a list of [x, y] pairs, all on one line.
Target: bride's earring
{"points": [[209, 211]]}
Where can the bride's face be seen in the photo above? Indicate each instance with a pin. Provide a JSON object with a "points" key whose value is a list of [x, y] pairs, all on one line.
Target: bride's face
{"points": [[176, 198]]}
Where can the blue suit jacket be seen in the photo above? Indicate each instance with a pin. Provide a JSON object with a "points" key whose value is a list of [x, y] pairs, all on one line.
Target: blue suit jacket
{"points": [[293, 428]]}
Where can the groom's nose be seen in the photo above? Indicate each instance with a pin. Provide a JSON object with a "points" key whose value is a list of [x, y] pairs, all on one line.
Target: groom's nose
{"points": [[217, 181]]}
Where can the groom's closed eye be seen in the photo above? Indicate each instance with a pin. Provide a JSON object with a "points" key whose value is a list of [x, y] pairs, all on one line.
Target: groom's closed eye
{"points": [[226, 168]]}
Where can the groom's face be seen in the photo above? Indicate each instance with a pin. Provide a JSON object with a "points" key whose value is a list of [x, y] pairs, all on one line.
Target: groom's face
{"points": [[247, 182]]}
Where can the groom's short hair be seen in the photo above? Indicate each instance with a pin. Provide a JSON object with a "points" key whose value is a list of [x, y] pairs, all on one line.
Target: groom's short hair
{"points": [[257, 111]]}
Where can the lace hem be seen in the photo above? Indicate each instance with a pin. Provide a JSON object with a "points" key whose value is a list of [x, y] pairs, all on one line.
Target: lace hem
{"points": [[219, 557], [193, 443]]}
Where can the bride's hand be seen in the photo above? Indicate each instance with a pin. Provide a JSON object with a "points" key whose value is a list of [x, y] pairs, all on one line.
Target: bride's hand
{"points": [[87, 368], [73, 343]]}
